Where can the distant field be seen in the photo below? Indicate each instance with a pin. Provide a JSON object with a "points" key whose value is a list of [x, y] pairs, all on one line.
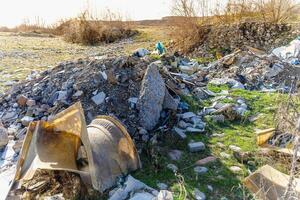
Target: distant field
{"points": [[20, 54]]}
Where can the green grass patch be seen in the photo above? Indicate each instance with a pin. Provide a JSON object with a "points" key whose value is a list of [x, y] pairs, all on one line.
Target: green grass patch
{"points": [[240, 133]]}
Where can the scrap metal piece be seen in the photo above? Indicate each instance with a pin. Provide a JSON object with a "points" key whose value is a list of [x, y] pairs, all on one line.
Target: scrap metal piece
{"points": [[268, 183], [111, 153], [263, 136], [54, 145]]}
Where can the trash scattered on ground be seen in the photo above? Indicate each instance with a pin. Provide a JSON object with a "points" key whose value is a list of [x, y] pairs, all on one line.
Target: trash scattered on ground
{"points": [[268, 183], [290, 53], [147, 97], [54, 145]]}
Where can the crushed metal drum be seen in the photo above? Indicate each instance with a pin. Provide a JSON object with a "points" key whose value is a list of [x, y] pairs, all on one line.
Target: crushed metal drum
{"points": [[54, 145]]}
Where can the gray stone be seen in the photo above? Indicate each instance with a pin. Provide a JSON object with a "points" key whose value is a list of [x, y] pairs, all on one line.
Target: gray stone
{"points": [[200, 93], [172, 167], [199, 195], [200, 170], [55, 197], [218, 118], [30, 102], [180, 133], [3, 137], [26, 120], [182, 124], [194, 130], [188, 115], [196, 146], [162, 186], [235, 148], [151, 98], [175, 155], [170, 102], [224, 155], [9, 116], [99, 98], [164, 195], [235, 169], [78, 94], [210, 188]]}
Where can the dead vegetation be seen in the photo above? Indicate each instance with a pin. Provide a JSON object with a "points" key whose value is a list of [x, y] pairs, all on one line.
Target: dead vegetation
{"points": [[195, 17], [88, 31], [83, 29]]}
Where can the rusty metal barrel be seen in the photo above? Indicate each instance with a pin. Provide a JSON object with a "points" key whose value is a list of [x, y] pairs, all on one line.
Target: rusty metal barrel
{"points": [[112, 152]]}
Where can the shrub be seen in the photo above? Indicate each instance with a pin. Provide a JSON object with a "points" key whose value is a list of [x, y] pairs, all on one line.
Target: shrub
{"points": [[91, 32]]}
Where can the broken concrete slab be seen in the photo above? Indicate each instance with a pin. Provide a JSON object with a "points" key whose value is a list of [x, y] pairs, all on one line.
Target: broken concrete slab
{"points": [[180, 133], [206, 160], [99, 98], [151, 97], [170, 102], [196, 146], [130, 186]]}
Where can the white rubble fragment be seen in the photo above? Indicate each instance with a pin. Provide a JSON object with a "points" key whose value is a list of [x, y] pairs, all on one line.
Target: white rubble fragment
{"points": [[99, 98], [196, 146]]}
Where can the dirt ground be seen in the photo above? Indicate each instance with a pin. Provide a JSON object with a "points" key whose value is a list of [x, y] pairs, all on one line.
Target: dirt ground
{"points": [[21, 54]]}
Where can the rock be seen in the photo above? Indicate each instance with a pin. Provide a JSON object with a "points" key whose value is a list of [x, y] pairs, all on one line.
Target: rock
{"points": [[224, 155], [194, 130], [164, 195], [188, 115], [180, 133], [30, 102], [182, 124], [78, 94], [218, 118], [210, 188], [133, 101], [151, 98], [21, 100], [175, 155], [26, 120], [235, 169], [201, 94], [162, 186], [170, 102], [142, 196], [130, 186], [141, 52], [206, 160], [99, 98], [143, 131], [9, 116], [3, 137], [199, 195], [187, 69], [54, 197], [200, 170], [196, 146], [235, 148], [172, 167], [234, 84], [242, 157]]}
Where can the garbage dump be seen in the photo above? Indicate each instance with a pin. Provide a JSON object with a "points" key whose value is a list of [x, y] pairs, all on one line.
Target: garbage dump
{"points": [[143, 94], [55, 145], [290, 53]]}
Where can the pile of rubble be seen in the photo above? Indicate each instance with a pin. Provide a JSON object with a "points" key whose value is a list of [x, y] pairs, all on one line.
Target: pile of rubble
{"points": [[259, 35], [141, 93]]}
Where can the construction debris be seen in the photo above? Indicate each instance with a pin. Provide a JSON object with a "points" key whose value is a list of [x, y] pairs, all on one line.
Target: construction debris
{"points": [[268, 183]]}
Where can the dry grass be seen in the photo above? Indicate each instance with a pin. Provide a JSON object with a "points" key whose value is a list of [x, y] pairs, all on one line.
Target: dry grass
{"points": [[191, 26], [87, 31]]}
